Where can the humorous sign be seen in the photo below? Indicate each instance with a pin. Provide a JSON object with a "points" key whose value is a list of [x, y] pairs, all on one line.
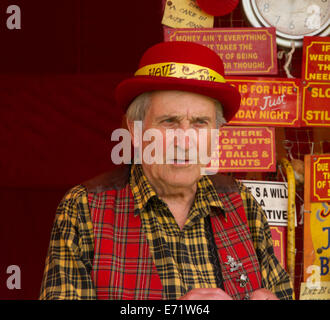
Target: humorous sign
{"points": [[267, 101], [243, 149], [315, 104], [316, 74], [249, 51], [320, 178], [316, 59], [273, 198]]}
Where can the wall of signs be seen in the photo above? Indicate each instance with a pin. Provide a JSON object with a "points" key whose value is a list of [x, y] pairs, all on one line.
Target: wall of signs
{"points": [[317, 228], [270, 103]]}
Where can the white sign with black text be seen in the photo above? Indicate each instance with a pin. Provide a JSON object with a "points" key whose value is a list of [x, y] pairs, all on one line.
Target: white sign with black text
{"points": [[273, 198]]}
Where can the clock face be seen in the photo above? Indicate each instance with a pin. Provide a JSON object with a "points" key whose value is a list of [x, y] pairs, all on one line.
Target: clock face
{"points": [[293, 19]]}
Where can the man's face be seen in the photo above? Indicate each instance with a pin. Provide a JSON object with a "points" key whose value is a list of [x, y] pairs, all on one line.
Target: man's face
{"points": [[188, 112]]}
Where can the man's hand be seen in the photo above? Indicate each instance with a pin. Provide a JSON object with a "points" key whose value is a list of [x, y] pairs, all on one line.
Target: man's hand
{"points": [[263, 294], [206, 294]]}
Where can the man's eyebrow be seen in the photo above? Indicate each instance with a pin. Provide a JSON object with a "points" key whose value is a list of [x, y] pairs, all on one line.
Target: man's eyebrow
{"points": [[167, 116], [204, 118], [178, 118]]}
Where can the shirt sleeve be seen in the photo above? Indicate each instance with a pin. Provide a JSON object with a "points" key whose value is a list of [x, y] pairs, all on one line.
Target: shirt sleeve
{"points": [[70, 254], [274, 276]]}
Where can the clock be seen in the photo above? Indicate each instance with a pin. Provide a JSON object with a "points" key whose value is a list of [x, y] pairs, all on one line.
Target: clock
{"points": [[293, 19]]}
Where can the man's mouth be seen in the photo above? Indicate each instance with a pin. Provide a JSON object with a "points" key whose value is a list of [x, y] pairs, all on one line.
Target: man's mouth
{"points": [[180, 162]]}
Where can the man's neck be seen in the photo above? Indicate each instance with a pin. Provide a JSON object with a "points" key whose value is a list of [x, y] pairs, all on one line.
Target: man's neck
{"points": [[178, 199]]}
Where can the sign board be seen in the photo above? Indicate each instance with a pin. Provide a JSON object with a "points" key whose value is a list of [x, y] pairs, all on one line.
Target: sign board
{"points": [[267, 101], [279, 243], [244, 51], [273, 198], [316, 81], [185, 14], [243, 149], [317, 242], [320, 178], [315, 104], [315, 292], [316, 224], [316, 59]]}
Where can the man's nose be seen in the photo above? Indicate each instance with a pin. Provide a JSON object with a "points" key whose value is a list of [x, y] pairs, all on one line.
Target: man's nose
{"points": [[183, 141], [184, 125], [186, 137]]}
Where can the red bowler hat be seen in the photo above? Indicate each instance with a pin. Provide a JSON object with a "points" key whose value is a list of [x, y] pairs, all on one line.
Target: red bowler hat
{"points": [[183, 66], [217, 7]]}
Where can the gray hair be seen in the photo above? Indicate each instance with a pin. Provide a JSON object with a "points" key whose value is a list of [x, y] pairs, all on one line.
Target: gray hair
{"points": [[140, 105]]}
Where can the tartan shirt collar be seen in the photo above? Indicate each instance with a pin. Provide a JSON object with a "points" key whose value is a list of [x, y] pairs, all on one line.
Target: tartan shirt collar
{"points": [[143, 192]]}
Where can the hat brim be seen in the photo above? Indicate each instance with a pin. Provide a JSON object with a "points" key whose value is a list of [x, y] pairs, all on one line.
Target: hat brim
{"points": [[225, 93]]}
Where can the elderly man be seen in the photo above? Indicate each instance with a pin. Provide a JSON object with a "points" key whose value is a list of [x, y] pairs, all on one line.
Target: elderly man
{"points": [[165, 230]]}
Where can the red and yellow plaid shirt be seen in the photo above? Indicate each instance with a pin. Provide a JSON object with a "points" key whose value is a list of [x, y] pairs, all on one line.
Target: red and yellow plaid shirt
{"points": [[70, 257]]}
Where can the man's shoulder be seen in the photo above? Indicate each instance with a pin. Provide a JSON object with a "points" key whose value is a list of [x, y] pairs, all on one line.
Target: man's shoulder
{"points": [[115, 179], [74, 194], [118, 177]]}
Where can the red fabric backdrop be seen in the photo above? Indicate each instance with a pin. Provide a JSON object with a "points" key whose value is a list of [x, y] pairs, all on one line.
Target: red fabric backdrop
{"points": [[57, 112]]}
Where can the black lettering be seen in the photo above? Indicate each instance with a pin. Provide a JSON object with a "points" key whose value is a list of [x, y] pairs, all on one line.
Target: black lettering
{"points": [[278, 213], [273, 192], [158, 72], [265, 194], [172, 69]]}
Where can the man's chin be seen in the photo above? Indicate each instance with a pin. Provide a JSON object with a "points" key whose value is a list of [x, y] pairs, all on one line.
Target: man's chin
{"points": [[182, 173], [182, 165]]}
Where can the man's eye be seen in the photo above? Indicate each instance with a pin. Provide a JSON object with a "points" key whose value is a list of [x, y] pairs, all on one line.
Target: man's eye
{"points": [[201, 121], [168, 120]]}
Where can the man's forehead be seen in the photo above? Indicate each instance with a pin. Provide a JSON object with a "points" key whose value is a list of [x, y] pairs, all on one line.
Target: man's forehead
{"points": [[179, 103], [171, 94]]}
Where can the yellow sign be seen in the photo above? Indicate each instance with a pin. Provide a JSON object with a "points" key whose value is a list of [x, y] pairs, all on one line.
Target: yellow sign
{"points": [[185, 14], [317, 243], [316, 292]]}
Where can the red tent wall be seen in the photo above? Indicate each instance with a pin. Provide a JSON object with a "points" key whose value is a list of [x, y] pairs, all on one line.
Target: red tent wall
{"points": [[57, 112]]}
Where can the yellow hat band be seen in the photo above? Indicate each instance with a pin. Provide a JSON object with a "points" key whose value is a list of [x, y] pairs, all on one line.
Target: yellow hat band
{"points": [[180, 70]]}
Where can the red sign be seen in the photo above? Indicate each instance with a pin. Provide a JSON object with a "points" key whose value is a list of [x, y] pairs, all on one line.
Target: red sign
{"points": [[320, 179], [243, 149], [279, 243], [316, 59], [316, 74], [267, 101], [243, 50], [316, 104]]}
